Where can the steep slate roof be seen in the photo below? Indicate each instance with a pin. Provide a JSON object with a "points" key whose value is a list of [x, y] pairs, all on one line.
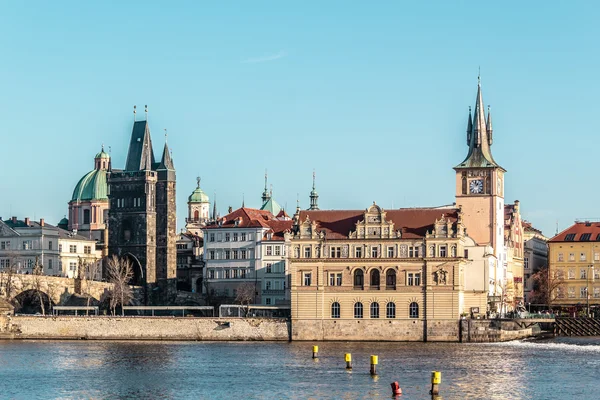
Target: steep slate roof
{"points": [[272, 206], [578, 233], [140, 156], [65, 234], [414, 222], [166, 163]]}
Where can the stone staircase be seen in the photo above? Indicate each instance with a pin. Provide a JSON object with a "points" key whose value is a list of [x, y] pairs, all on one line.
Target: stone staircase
{"points": [[577, 327]]}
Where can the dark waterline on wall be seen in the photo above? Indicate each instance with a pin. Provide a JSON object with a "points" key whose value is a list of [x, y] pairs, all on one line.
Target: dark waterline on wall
{"points": [[561, 368]]}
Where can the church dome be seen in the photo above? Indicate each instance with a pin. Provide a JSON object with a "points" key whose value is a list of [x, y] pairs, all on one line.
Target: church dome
{"points": [[102, 154], [93, 186], [198, 196]]}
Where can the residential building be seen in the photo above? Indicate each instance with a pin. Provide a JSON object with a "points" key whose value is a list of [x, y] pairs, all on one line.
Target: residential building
{"points": [[574, 256], [513, 288], [189, 262], [535, 256], [76, 250], [142, 215], [26, 243], [235, 248]]}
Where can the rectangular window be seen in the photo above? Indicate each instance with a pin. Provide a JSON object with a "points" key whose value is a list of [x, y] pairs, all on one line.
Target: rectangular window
{"points": [[560, 257], [211, 274], [234, 273], [585, 237], [582, 257], [571, 273], [243, 254], [390, 252], [358, 252], [212, 237], [227, 237], [597, 292], [335, 279], [596, 256], [235, 254], [242, 273], [307, 252], [219, 237], [211, 255], [414, 279], [50, 264], [277, 250], [583, 292], [72, 248], [227, 254], [268, 301], [269, 268], [336, 252], [2, 245], [442, 251], [571, 292], [526, 263], [72, 266], [307, 278], [269, 250], [235, 237], [570, 237], [26, 244], [466, 253], [227, 274], [50, 245], [87, 249], [571, 256], [596, 273], [374, 252], [583, 273], [243, 236]]}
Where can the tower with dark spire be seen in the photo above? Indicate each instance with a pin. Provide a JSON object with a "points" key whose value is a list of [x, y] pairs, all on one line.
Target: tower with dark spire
{"points": [[480, 181], [266, 194], [314, 196], [142, 214]]}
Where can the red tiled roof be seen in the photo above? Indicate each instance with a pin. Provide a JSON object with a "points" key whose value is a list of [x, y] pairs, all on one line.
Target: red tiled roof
{"points": [[414, 222], [578, 232], [247, 217], [278, 228], [528, 227]]}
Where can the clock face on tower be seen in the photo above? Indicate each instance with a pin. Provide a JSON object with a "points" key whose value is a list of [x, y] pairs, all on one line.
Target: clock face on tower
{"points": [[476, 186]]}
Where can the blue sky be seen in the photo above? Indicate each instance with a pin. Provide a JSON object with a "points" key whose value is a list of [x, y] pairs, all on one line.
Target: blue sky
{"points": [[373, 95]]}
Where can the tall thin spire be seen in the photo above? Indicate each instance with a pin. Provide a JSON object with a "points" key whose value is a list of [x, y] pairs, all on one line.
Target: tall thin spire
{"points": [[214, 214], [489, 126], [314, 196], [469, 127], [265, 196]]}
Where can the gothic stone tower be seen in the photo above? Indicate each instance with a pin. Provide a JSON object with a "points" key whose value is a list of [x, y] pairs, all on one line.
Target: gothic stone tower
{"points": [[142, 212], [479, 182]]}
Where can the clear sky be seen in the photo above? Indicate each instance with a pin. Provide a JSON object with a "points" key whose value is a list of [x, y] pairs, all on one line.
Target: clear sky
{"points": [[373, 95]]}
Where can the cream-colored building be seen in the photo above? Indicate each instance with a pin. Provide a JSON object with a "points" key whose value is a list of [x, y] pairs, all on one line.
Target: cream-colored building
{"points": [[76, 251], [574, 257]]}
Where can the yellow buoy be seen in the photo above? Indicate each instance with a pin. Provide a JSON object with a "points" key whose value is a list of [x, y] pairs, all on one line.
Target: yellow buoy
{"points": [[436, 377], [374, 360], [348, 357]]}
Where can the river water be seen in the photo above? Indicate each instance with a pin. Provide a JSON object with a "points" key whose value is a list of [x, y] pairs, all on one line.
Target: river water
{"points": [[561, 368]]}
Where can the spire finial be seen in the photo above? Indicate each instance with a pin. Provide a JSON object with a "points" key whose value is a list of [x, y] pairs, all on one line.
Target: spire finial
{"points": [[265, 179], [198, 180], [166, 135], [271, 190], [146, 111], [314, 175], [134, 113], [102, 146], [479, 76]]}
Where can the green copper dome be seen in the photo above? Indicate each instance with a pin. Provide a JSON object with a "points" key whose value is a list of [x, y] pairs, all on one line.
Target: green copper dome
{"points": [[102, 155], [198, 196], [93, 186]]}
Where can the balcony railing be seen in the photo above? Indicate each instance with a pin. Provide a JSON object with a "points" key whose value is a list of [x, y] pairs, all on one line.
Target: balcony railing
{"points": [[374, 287]]}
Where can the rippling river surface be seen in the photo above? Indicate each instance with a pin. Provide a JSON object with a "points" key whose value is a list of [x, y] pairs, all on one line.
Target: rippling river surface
{"points": [[560, 368]]}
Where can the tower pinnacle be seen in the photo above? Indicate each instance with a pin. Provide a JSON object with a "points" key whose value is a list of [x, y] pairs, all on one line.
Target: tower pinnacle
{"points": [[314, 196]]}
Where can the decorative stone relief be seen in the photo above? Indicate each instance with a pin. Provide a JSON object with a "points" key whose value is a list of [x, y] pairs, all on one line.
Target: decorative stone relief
{"points": [[440, 276], [296, 251], [431, 252], [403, 251]]}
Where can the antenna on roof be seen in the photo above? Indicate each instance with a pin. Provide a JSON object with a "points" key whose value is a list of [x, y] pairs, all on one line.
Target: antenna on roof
{"points": [[146, 111], [134, 113]]}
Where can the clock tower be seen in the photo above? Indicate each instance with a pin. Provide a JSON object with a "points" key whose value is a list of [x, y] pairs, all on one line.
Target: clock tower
{"points": [[480, 182]]}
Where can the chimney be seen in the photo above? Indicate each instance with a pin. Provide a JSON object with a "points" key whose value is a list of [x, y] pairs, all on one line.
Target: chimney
{"points": [[27, 221], [516, 205], [41, 221], [14, 220]]}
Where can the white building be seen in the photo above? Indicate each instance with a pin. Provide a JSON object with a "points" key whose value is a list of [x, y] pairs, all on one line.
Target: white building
{"points": [[535, 255], [25, 243], [75, 252], [235, 253]]}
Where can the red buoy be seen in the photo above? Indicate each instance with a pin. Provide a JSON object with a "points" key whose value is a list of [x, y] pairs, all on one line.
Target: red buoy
{"points": [[396, 391]]}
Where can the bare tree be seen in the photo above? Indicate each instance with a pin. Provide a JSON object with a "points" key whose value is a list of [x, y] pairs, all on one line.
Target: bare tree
{"points": [[8, 277], [37, 283], [88, 271], [119, 272], [245, 295], [548, 286]]}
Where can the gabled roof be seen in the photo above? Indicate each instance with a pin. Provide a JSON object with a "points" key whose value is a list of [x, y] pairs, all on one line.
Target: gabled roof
{"points": [[65, 234], [414, 222], [272, 206], [579, 232], [140, 156], [245, 217], [278, 229]]}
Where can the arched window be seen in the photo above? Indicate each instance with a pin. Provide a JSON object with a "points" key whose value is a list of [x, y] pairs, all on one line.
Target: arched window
{"points": [[196, 215], [374, 310], [390, 279], [413, 310], [390, 310], [335, 310], [359, 279], [375, 279], [358, 310]]}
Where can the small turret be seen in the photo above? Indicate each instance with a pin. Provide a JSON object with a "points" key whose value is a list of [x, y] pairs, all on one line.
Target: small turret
{"points": [[266, 195], [314, 196]]}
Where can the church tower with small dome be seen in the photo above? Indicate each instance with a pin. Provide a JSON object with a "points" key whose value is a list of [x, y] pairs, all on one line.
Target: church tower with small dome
{"points": [[198, 211], [88, 208]]}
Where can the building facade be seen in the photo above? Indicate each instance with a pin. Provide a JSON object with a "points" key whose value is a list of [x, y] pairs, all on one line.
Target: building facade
{"points": [[76, 253], [535, 256], [142, 215], [26, 243], [574, 259], [189, 262], [198, 211]]}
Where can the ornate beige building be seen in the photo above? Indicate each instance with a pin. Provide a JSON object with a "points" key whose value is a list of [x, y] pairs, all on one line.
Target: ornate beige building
{"points": [[409, 274]]}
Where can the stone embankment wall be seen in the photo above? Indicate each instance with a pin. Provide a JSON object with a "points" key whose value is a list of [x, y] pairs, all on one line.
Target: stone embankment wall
{"points": [[148, 328], [489, 330]]}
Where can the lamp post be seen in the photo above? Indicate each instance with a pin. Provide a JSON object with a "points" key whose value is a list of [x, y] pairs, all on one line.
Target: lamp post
{"points": [[587, 287]]}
